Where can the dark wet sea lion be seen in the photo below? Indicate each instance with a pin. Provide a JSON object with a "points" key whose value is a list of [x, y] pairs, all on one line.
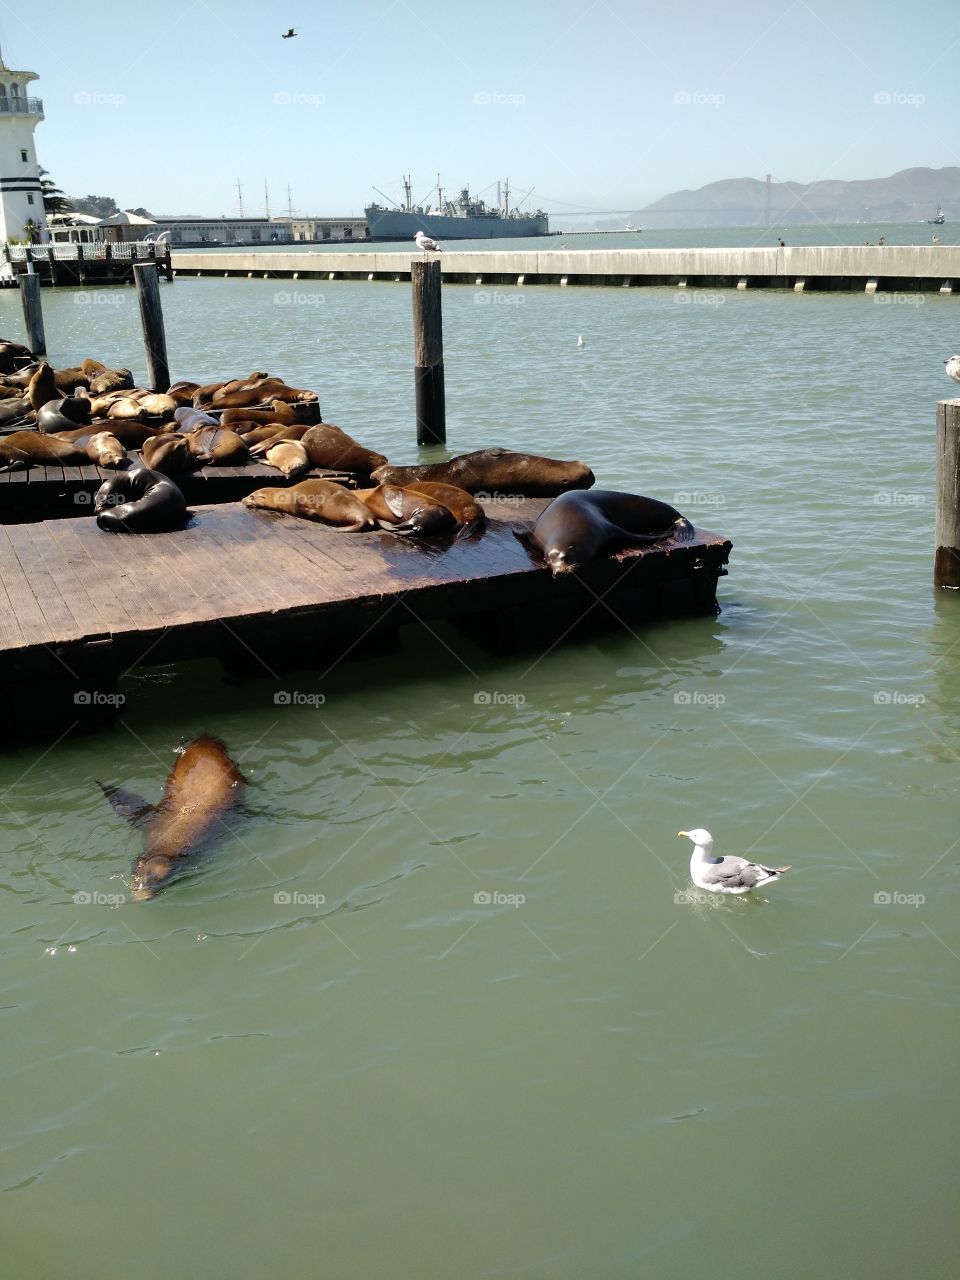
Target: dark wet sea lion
{"points": [[202, 789], [406, 511], [139, 501], [468, 514], [319, 500], [13, 356], [329, 446], [496, 471], [169, 454], [188, 419], [63, 414], [579, 526], [14, 410]]}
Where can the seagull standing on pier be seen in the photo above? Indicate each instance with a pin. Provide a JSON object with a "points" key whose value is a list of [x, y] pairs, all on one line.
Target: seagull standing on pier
{"points": [[425, 243], [725, 875], [951, 368]]}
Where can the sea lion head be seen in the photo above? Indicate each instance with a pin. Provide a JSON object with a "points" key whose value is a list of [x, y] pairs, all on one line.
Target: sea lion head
{"points": [[559, 560], [150, 875]]}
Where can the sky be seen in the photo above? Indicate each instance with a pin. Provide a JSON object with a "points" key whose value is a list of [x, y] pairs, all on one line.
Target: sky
{"points": [[594, 104]]}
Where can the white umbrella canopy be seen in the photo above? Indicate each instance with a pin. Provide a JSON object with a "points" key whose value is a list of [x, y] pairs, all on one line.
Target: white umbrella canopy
{"points": [[122, 219]]}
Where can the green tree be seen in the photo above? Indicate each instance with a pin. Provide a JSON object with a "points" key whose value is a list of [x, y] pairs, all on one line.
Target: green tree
{"points": [[144, 213], [54, 201], [95, 206]]}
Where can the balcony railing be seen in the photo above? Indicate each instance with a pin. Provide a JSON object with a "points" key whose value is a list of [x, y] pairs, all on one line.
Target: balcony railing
{"points": [[21, 106]]}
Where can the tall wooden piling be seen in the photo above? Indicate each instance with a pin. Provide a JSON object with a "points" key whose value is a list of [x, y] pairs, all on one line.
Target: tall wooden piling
{"points": [[946, 570], [151, 317], [32, 314], [428, 352]]}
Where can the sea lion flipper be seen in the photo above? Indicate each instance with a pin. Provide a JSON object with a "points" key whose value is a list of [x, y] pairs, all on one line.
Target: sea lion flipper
{"points": [[522, 534], [127, 804]]}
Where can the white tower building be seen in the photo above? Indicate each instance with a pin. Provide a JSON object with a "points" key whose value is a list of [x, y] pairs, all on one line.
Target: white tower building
{"points": [[21, 201]]}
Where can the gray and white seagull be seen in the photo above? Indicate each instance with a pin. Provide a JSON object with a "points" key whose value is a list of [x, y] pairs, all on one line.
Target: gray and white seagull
{"points": [[951, 368], [424, 242], [725, 875]]}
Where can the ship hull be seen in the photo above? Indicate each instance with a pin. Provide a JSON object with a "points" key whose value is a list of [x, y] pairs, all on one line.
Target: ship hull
{"points": [[395, 224]]}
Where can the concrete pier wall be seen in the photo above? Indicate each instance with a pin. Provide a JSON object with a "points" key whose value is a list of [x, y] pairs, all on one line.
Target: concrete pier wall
{"points": [[929, 267]]}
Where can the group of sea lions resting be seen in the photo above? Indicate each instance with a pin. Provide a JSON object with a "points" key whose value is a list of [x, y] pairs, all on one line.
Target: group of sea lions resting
{"points": [[92, 413]]}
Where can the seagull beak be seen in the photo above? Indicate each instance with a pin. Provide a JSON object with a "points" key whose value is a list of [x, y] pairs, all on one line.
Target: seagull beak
{"points": [[684, 833]]}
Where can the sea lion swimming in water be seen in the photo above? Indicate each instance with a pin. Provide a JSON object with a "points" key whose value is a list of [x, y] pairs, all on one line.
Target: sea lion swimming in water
{"points": [[579, 526], [496, 471], [202, 789]]}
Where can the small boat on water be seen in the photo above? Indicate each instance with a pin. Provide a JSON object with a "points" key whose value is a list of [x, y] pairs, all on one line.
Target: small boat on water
{"points": [[939, 220]]}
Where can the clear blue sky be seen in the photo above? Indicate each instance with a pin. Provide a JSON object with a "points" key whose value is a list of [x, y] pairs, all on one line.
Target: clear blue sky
{"points": [[597, 104]]}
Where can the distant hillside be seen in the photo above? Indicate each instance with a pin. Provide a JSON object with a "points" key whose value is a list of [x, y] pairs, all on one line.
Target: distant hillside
{"points": [[909, 196]]}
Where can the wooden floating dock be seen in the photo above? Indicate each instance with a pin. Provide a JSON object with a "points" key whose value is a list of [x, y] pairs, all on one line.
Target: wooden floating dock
{"points": [[262, 591], [53, 492], [865, 268]]}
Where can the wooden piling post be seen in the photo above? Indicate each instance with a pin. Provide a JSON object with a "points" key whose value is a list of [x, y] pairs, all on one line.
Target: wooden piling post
{"points": [[151, 317], [32, 314], [946, 570], [428, 352]]}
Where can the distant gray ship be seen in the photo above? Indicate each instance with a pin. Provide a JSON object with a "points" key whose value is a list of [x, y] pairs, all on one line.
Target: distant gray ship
{"points": [[460, 219]]}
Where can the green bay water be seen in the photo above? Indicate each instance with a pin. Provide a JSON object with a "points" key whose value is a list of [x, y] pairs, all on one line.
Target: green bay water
{"points": [[444, 1004]]}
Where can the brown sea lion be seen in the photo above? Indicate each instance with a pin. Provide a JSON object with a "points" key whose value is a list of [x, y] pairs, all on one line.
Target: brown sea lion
{"points": [[139, 501], [12, 411], [406, 511], [203, 788], [329, 446], [257, 391], [92, 367], [69, 379], [496, 471], [468, 514], [580, 526], [104, 449], [304, 412], [23, 449], [217, 446], [254, 435], [63, 415], [169, 454], [183, 392], [320, 500], [111, 380], [289, 457], [128, 431], [43, 387]]}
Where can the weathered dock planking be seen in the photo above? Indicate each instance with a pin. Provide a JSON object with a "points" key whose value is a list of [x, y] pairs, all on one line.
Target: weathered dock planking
{"points": [[80, 607], [56, 492]]}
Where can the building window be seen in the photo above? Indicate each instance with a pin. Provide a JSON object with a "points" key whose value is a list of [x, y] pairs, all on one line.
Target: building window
{"points": [[29, 197], [23, 156]]}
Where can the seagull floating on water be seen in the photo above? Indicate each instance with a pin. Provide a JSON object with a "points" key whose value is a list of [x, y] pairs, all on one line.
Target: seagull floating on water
{"points": [[951, 368], [580, 341], [425, 243], [725, 875]]}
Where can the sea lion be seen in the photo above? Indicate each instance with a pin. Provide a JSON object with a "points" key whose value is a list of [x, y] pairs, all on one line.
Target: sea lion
{"points": [[92, 367], [111, 380], [13, 356], [254, 435], [577, 527], [496, 471], [23, 449], [188, 419], [240, 394], [63, 415], [203, 788], [330, 447], [68, 380], [182, 392], [289, 457], [320, 500], [128, 431], [169, 454], [104, 449], [468, 514], [408, 512], [217, 446], [15, 411], [43, 387], [304, 412], [139, 501]]}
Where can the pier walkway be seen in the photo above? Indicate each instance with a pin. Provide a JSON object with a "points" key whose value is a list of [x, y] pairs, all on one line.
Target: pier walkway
{"points": [[873, 268], [263, 591]]}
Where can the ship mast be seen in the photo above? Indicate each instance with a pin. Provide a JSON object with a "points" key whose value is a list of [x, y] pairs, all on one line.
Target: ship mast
{"points": [[506, 197], [408, 193], [266, 199], [240, 196]]}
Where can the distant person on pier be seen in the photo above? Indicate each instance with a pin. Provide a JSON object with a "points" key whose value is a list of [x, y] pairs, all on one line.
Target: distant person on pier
{"points": [[882, 240], [782, 243]]}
